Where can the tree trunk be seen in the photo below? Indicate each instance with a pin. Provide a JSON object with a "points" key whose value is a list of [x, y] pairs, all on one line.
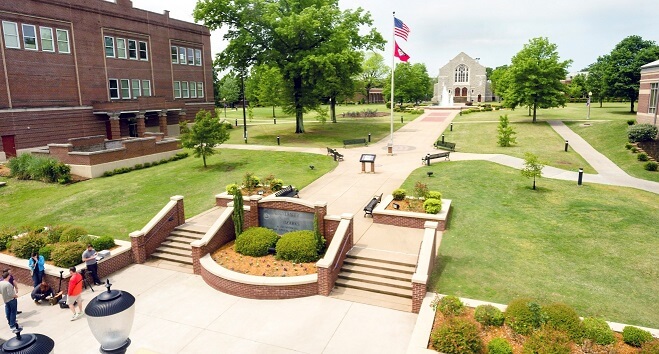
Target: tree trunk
{"points": [[333, 110], [601, 100], [533, 182], [273, 112], [299, 113], [631, 108], [203, 157], [368, 95], [535, 107]]}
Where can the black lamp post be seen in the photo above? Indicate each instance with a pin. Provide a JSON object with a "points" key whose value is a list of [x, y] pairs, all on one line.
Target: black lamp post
{"points": [[28, 343], [110, 318]]}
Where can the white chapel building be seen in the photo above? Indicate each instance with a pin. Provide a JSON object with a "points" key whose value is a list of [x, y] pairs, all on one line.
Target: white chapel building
{"points": [[465, 81]]}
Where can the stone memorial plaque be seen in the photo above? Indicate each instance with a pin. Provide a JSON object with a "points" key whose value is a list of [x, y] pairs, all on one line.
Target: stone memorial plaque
{"points": [[283, 221]]}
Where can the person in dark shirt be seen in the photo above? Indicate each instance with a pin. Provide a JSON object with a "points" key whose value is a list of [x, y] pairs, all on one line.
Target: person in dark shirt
{"points": [[41, 292]]}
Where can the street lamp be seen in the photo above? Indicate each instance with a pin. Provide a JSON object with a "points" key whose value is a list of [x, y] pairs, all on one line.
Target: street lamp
{"points": [[590, 94], [28, 343], [225, 107], [110, 318]]}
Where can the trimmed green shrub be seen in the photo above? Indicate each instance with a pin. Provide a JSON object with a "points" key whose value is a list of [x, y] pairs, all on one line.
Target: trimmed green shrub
{"points": [[72, 234], [499, 346], [255, 241], [46, 251], [434, 195], [53, 233], [628, 146], [631, 121], [651, 166], [635, 336], [147, 164], [598, 331], [641, 132], [564, 318], [250, 181], [232, 188], [488, 315], [103, 243], [86, 239], [523, 316], [399, 194], [67, 254], [23, 247], [650, 348], [642, 157], [432, 206], [457, 336], [634, 149], [139, 166], [7, 234], [298, 247], [547, 341], [276, 184], [450, 306]]}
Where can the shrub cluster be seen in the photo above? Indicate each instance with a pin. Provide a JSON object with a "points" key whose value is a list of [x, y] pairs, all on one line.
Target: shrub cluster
{"points": [[449, 305], [524, 315], [7, 234], [564, 318], [488, 315], [67, 254], [499, 346], [298, 246], [39, 168], [432, 206], [121, 170], [23, 247], [635, 336], [103, 243], [547, 341], [642, 157], [598, 331], [46, 251], [255, 241], [457, 336], [651, 166], [399, 194], [641, 132], [72, 234]]}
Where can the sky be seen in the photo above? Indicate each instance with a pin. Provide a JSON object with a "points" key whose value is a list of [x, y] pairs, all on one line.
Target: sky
{"points": [[493, 31]]}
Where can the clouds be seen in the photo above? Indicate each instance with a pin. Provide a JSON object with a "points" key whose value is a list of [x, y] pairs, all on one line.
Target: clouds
{"points": [[492, 30]]}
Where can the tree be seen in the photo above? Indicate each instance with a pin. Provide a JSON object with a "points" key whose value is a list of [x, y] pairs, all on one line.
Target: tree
{"points": [[229, 89], [535, 77], [238, 212], [302, 38], [374, 70], [267, 85], [202, 137], [337, 81], [595, 79], [532, 167], [577, 87], [499, 80], [506, 132], [411, 83], [623, 68]]}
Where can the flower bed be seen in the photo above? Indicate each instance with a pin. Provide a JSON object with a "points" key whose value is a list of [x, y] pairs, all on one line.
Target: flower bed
{"points": [[266, 266], [385, 213]]}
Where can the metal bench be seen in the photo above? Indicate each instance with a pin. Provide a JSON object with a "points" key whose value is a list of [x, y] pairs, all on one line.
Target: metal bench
{"points": [[287, 192], [368, 209], [354, 142], [337, 155], [444, 145], [426, 159]]}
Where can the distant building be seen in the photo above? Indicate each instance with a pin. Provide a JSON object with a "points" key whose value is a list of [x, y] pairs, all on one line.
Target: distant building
{"points": [[572, 75], [648, 94], [75, 68], [465, 79]]}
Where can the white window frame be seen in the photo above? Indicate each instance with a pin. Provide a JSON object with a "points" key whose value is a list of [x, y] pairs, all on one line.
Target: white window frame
{"points": [[122, 51], [174, 54], [144, 51], [146, 88], [462, 74], [182, 56], [14, 36], [109, 46], [193, 89], [190, 56], [25, 38], [60, 43], [115, 89], [132, 53], [124, 89], [654, 97], [177, 89], [44, 33], [197, 57], [185, 90], [136, 91], [200, 89]]}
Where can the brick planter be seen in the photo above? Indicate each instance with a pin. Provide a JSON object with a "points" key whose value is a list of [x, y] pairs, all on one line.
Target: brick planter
{"points": [[410, 219]]}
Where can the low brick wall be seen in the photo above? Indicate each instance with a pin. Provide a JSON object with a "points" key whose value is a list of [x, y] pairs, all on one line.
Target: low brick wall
{"points": [[146, 241], [330, 266], [410, 219], [219, 234]]}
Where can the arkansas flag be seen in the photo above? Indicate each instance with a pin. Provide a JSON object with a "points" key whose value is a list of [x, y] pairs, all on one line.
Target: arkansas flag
{"points": [[399, 53]]}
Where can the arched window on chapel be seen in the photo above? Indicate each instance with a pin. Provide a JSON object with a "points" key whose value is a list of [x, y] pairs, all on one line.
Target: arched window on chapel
{"points": [[462, 73]]}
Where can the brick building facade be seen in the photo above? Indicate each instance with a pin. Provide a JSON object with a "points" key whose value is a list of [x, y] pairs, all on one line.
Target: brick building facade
{"points": [[648, 94], [73, 68], [465, 80]]}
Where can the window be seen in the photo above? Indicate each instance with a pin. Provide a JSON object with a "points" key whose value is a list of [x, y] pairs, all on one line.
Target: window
{"points": [[132, 49], [190, 56], [113, 85], [462, 74], [136, 88], [193, 89], [177, 89], [200, 89], [184, 90], [121, 48], [10, 30], [174, 54], [197, 57], [125, 88], [143, 52], [181, 55], [109, 47], [30, 37], [63, 41], [654, 94], [46, 34], [146, 88]]}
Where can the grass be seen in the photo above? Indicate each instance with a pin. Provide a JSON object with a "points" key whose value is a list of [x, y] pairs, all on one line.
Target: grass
{"points": [[120, 204], [592, 247]]}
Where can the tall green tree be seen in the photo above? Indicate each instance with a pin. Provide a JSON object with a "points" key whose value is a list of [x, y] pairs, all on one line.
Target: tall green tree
{"points": [[595, 79], [229, 89], [373, 73], [337, 82], [203, 135], [299, 37], [499, 80], [577, 87], [623, 70], [535, 77], [411, 83], [267, 86]]}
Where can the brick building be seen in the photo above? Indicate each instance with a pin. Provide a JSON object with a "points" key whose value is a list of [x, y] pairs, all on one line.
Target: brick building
{"points": [[73, 68], [648, 94], [465, 80]]}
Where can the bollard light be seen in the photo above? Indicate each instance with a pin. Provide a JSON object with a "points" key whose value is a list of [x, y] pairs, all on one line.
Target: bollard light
{"points": [[110, 317], [580, 180], [566, 145], [401, 119], [28, 343], [278, 140], [369, 137], [442, 138], [451, 127], [236, 122], [275, 119]]}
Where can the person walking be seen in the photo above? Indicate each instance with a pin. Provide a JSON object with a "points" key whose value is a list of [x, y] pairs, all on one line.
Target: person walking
{"points": [[89, 257], [13, 283], [37, 266], [73, 295], [11, 304]]}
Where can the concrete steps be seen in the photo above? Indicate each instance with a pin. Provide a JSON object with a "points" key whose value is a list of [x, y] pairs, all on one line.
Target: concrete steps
{"points": [[176, 248]]}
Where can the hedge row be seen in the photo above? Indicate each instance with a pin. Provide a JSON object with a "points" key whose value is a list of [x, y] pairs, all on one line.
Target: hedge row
{"points": [[296, 246], [39, 168], [118, 171]]}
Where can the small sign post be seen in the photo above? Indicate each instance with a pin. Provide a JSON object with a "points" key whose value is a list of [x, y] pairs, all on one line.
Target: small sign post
{"points": [[367, 158]]}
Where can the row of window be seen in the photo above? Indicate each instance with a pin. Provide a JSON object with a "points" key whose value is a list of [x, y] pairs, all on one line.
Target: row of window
{"points": [[185, 89], [125, 48], [654, 97], [183, 55], [129, 88], [30, 41]]}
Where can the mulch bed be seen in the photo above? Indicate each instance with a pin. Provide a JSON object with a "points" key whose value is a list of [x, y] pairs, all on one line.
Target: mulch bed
{"points": [[407, 205], [266, 266]]}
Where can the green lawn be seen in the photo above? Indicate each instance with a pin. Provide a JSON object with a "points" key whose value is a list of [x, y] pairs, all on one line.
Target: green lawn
{"points": [[593, 246], [120, 204]]}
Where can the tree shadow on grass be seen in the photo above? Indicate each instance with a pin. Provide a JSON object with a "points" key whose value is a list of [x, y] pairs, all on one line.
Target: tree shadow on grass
{"points": [[219, 167], [440, 264]]}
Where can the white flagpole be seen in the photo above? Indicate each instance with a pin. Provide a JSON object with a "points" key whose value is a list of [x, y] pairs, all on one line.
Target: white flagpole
{"points": [[393, 65]]}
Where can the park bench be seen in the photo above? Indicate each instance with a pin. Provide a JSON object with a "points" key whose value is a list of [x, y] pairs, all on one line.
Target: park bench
{"points": [[2, 184], [444, 145], [287, 192], [426, 159], [354, 142], [368, 209], [337, 155]]}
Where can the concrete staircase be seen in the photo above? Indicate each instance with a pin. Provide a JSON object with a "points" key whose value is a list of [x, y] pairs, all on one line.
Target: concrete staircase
{"points": [[176, 249], [380, 278]]}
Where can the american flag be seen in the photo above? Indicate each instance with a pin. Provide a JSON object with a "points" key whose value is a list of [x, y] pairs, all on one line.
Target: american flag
{"points": [[400, 29]]}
